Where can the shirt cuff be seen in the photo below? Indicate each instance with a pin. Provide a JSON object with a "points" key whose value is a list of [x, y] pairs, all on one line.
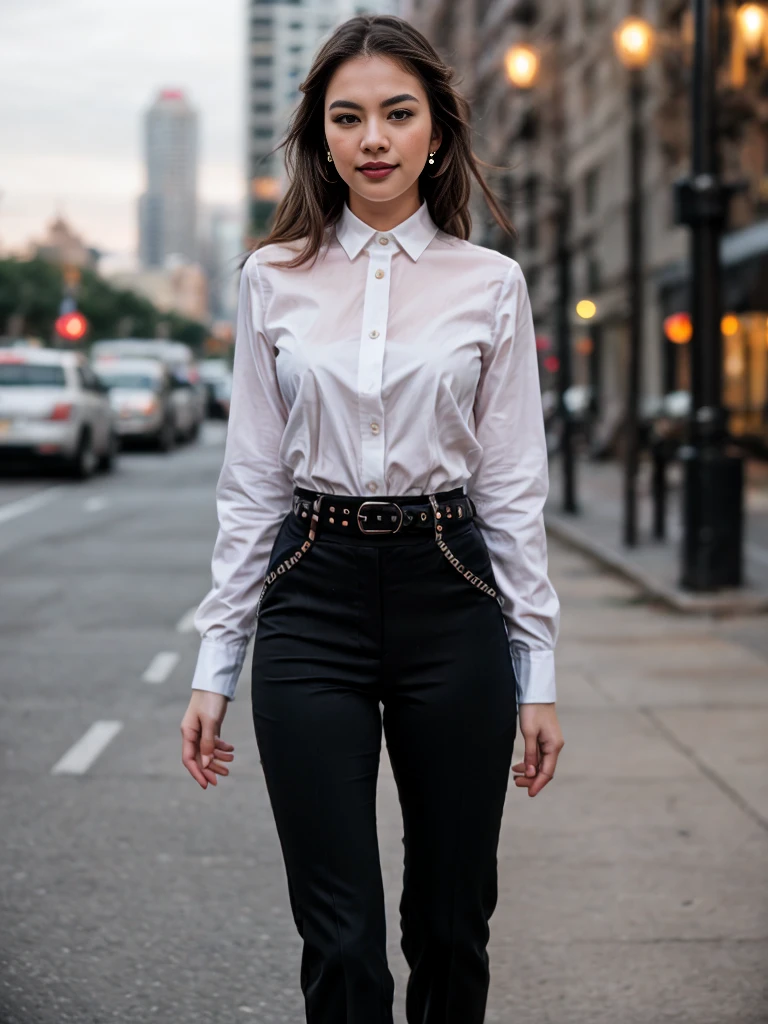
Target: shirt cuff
{"points": [[535, 675], [219, 663]]}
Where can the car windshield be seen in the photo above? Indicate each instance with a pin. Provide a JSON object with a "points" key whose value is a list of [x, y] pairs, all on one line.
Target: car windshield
{"points": [[136, 381], [31, 375]]}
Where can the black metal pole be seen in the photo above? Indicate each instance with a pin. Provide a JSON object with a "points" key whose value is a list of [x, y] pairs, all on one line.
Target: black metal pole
{"points": [[563, 333], [637, 303], [712, 474]]}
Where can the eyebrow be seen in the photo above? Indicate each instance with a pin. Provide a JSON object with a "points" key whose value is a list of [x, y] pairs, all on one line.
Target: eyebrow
{"points": [[384, 103]]}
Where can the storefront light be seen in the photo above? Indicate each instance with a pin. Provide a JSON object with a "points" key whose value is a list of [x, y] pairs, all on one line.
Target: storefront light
{"points": [[678, 328], [752, 20], [729, 325]]}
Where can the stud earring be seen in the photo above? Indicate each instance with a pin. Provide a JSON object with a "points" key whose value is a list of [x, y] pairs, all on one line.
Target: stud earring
{"points": [[330, 158], [431, 155]]}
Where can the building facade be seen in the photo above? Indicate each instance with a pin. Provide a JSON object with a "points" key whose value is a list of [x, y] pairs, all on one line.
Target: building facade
{"points": [[283, 38], [168, 207], [568, 136]]}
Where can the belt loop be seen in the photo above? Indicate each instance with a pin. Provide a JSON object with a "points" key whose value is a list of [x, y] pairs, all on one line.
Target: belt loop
{"points": [[315, 517], [436, 515]]}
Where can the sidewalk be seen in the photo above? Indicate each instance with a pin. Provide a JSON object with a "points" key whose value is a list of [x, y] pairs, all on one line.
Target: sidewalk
{"points": [[655, 565]]}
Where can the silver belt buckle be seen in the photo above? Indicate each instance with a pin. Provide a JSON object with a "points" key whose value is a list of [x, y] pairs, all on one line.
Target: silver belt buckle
{"points": [[385, 504]]}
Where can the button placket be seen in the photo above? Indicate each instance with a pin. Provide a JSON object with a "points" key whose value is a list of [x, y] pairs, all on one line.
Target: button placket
{"points": [[371, 365]]}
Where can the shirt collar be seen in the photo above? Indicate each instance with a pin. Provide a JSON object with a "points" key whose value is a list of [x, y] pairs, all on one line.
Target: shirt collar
{"points": [[414, 233]]}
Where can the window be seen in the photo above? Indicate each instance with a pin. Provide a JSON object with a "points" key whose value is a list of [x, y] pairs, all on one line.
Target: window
{"points": [[531, 211], [29, 375], [261, 108], [261, 83], [262, 133], [591, 183], [264, 60], [593, 274], [591, 11], [588, 88]]}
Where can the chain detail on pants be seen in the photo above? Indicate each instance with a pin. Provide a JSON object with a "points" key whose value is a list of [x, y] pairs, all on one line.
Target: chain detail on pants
{"points": [[456, 562], [288, 563]]}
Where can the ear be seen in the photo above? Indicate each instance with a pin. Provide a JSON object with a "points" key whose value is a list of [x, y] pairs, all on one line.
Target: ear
{"points": [[437, 138]]}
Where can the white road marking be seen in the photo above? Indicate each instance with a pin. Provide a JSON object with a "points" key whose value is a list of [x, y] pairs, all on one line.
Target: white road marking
{"points": [[161, 667], [186, 623], [79, 758], [19, 508], [95, 504]]}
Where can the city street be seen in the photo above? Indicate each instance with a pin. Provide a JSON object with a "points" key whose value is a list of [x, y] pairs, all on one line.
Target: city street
{"points": [[633, 889]]}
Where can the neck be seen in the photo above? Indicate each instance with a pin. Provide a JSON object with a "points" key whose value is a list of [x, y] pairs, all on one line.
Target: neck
{"points": [[385, 214]]}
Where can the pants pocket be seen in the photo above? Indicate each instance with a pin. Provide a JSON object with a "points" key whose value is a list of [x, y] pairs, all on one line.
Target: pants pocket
{"points": [[466, 552], [290, 546]]}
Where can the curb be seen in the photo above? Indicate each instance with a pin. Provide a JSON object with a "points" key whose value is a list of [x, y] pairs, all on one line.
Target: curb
{"points": [[725, 602]]}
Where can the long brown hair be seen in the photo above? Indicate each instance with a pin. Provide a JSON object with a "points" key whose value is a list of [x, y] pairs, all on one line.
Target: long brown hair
{"points": [[312, 202]]}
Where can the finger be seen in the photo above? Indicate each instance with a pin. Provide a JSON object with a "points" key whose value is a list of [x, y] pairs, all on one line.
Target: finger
{"points": [[218, 768], [531, 756], [221, 745], [189, 755], [539, 783], [548, 763], [207, 743]]}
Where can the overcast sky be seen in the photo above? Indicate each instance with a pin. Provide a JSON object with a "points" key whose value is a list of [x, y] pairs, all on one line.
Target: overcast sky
{"points": [[75, 79]]}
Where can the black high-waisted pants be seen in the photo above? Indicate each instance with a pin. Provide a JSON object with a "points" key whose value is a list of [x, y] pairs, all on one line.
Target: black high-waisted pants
{"points": [[353, 622]]}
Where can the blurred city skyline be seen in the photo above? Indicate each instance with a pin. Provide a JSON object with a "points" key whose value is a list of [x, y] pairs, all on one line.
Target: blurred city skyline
{"points": [[77, 77]]}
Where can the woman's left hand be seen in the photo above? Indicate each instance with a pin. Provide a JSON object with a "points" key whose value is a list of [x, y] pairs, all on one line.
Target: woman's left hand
{"points": [[543, 742]]}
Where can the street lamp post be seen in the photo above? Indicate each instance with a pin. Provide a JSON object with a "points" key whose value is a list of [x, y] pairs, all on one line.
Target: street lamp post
{"points": [[522, 65], [713, 474], [634, 40]]}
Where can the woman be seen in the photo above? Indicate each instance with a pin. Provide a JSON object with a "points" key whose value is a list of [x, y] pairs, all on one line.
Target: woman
{"points": [[380, 513]]}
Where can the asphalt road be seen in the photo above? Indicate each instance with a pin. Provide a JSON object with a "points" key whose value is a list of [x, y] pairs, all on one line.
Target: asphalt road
{"points": [[632, 889]]}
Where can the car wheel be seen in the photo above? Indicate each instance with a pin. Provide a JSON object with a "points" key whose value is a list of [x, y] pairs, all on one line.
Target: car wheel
{"points": [[166, 438], [107, 460], [83, 463]]}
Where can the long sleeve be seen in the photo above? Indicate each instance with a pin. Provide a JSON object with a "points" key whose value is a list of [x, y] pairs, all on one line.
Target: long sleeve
{"points": [[253, 494], [509, 488]]}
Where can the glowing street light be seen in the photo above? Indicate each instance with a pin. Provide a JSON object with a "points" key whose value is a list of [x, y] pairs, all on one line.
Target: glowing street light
{"points": [[522, 63], [634, 41], [752, 21], [586, 309]]}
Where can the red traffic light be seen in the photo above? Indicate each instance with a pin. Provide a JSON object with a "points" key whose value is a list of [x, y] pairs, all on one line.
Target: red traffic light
{"points": [[71, 326]]}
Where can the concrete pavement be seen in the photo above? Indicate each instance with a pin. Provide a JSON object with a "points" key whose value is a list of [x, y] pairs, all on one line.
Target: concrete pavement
{"points": [[631, 890], [597, 530]]}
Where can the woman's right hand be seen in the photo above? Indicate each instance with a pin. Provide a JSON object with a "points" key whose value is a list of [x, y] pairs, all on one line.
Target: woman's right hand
{"points": [[202, 749]]}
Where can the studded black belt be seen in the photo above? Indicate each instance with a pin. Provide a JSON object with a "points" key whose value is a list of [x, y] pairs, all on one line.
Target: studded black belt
{"points": [[348, 514]]}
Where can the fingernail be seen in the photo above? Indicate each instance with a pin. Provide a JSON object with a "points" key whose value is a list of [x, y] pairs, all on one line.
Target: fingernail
{"points": [[530, 770], [206, 759]]}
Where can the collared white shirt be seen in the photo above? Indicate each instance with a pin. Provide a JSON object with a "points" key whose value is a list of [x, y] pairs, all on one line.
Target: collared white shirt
{"points": [[400, 362]]}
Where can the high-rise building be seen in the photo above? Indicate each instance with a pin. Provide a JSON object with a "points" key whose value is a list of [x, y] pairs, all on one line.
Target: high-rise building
{"points": [[168, 208], [283, 38]]}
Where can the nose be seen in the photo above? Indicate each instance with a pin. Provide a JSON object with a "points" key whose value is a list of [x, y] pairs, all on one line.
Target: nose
{"points": [[374, 138]]}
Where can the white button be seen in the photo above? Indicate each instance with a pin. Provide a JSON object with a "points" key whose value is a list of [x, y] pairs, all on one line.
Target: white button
{"points": [[372, 487], [373, 334], [374, 428], [383, 241], [379, 273]]}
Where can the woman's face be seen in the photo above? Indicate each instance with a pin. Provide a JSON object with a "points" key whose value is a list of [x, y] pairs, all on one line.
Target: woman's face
{"points": [[363, 125]]}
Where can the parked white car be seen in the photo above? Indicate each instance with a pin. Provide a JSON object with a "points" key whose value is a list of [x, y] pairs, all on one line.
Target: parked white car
{"points": [[188, 393], [141, 394], [53, 406]]}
